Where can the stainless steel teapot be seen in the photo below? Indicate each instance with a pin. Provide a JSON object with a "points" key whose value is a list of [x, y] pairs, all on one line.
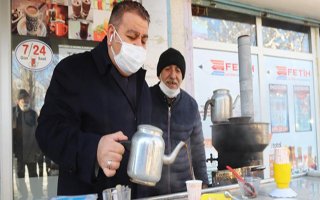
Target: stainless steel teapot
{"points": [[147, 155], [221, 106]]}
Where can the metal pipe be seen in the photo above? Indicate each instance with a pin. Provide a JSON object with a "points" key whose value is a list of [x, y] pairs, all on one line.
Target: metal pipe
{"points": [[245, 76]]}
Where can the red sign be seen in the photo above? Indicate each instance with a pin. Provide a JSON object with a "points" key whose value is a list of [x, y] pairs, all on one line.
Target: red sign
{"points": [[292, 72], [222, 68], [34, 54]]}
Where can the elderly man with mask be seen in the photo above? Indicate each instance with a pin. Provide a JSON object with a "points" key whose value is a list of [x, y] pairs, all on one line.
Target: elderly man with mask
{"points": [[25, 147], [176, 113]]}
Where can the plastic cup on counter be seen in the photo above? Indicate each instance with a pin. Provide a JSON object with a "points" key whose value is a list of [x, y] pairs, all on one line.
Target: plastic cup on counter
{"points": [[253, 182], [117, 193], [194, 189]]}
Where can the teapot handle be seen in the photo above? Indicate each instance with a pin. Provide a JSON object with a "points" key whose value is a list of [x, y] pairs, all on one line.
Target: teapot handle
{"points": [[235, 101], [126, 144], [209, 102]]}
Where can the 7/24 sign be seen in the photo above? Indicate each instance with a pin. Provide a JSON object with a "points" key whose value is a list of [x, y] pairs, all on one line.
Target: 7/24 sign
{"points": [[34, 54]]}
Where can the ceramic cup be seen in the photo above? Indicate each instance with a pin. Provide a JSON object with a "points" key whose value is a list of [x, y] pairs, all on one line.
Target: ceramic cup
{"points": [[61, 29]]}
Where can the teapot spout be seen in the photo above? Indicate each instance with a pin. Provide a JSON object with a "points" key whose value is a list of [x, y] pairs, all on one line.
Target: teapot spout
{"points": [[169, 159]]}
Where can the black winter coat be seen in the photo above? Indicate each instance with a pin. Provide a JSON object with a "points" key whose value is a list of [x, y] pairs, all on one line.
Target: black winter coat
{"points": [[180, 122], [24, 124], [87, 99]]}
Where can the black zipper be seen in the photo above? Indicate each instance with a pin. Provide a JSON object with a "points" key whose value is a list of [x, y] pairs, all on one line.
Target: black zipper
{"points": [[169, 147]]}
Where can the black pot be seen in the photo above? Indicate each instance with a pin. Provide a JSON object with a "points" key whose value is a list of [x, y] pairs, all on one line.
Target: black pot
{"points": [[240, 144]]}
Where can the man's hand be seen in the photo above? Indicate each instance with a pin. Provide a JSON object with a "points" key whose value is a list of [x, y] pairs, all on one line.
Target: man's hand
{"points": [[109, 152]]}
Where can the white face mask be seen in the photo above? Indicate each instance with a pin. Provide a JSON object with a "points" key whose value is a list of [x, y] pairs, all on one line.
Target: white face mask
{"points": [[168, 91], [24, 106], [130, 58]]}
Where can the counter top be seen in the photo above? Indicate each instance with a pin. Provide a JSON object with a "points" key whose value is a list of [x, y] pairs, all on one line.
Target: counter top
{"points": [[307, 187]]}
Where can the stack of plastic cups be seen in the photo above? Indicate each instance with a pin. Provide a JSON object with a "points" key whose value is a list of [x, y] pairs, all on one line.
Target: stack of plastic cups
{"points": [[282, 174]]}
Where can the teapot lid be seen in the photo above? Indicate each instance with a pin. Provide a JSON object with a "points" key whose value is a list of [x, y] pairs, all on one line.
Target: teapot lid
{"points": [[146, 128], [222, 90]]}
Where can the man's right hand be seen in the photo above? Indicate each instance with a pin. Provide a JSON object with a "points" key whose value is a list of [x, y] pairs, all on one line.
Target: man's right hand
{"points": [[110, 151]]}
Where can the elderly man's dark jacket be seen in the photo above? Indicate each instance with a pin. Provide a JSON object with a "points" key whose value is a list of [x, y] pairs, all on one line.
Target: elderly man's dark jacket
{"points": [[24, 125], [179, 121], [87, 98]]}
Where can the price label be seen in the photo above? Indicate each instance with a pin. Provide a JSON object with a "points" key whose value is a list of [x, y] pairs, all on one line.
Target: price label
{"points": [[34, 54]]}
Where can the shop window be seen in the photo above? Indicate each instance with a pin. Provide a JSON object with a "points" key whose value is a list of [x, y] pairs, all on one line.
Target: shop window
{"points": [[43, 33], [36, 178], [285, 36], [217, 25]]}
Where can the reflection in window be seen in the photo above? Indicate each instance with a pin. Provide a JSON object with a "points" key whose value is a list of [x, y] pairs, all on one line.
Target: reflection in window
{"points": [[221, 26], [285, 36], [35, 176]]}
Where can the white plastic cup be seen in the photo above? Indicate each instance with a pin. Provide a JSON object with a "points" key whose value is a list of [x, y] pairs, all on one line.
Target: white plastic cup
{"points": [[194, 189], [281, 155]]}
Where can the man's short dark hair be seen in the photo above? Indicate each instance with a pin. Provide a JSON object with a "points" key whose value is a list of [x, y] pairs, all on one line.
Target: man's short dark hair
{"points": [[127, 6]]}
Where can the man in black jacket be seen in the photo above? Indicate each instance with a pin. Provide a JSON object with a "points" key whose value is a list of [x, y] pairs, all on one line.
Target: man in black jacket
{"points": [[177, 114], [25, 147], [96, 99]]}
